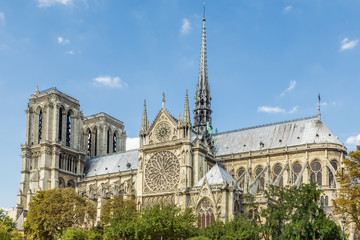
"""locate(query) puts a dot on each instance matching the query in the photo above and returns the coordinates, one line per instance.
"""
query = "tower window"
(95, 150)
(40, 125)
(89, 144)
(60, 124)
(114, 142)
(68, 129)
(108, 142)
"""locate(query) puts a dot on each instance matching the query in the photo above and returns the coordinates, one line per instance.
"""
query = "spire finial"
(204, 19)
(319, 113)
(163, 101)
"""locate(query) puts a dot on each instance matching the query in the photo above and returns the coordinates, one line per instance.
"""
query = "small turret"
(186, 116)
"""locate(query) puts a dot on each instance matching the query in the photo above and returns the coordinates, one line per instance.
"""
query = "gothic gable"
(163, 129)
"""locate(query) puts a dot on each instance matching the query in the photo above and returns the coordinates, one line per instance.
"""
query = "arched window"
(60, 161)
(322, 202)
(89, 144)
(108, 142)
(326, 201)
(331, 175)
(296, 171)
(241, 177)
(68, 129)
(71, 184)
(114, 142)
(205, 213)
(61, 183)
(95, 150)
(262, 179)
(316, 173)
(60, 124)
(40, 125)
(276, 172)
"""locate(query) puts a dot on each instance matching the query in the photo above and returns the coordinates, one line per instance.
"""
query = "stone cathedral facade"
(178, 160)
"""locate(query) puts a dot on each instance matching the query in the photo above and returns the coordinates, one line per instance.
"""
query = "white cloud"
(49, 3)
(291, 87)
(132, 143)
(71, 52)
(2, 17)
(293, 110)
(346, 44)
(270, 109)
(287, 9)
(353, 140)
(108, 81)
(63, 41)
(186, 26)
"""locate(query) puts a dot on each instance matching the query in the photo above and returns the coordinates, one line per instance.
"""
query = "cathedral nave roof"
(119, 162)
(276, 135)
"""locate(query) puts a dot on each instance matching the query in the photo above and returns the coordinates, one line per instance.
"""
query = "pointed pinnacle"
(144, 121)
(163, 101)
(186, 116)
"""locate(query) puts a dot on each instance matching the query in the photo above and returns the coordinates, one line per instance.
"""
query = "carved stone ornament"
(162, 172)
(162, 131)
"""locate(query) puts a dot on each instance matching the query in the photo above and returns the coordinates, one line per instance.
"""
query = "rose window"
(162, 131)
(162, 172)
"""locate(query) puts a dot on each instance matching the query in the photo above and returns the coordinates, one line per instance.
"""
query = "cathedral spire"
(144, 121)
(202, 111)
(186, 116)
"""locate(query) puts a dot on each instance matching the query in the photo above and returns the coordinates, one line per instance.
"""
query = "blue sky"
(267, 62)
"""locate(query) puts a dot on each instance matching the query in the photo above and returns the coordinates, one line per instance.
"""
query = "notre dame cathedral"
(178, 160)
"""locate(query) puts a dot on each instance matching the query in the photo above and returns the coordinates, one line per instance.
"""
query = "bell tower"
(53, 154)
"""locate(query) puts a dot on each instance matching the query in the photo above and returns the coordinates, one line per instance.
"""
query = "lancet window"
(40, 125)
(68, 129)
(331, 175)
(241, 177)
(60, 124)
(316, 173)
(262, 179)
(205, 214)
(95, 150)
(296, 172)
(114, 142)
(108, 142)
(89, 144)
(276, 172)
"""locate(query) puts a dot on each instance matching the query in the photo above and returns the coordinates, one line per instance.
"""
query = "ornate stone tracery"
(162, 172)
(162, 131)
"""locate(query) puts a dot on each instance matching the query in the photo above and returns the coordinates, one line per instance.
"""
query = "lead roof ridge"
(267, 125)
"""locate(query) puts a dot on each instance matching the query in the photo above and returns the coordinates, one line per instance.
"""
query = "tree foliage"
(294, 213)
(7, 229)
(53, 211)
(239, 228)
(347, 203)
(160, 221)
(115, 207)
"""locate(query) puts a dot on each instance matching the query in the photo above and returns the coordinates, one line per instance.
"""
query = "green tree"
(114, 207)
(238, 228)
(347, 203)
(294, 213)
(166, 222)
(53, 211)
(123, 219)
(7, 229)
(82, 234)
